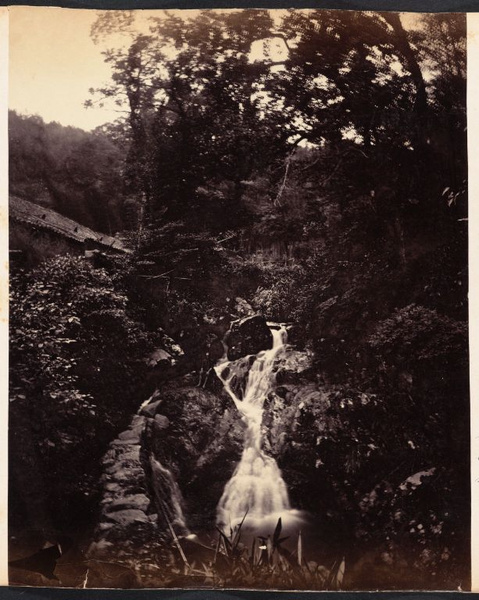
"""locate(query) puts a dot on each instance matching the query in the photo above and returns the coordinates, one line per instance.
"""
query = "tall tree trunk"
(404, 47)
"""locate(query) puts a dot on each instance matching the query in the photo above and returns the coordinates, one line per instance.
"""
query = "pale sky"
(53, 63)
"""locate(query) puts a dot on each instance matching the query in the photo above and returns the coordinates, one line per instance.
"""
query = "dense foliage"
(77, 356)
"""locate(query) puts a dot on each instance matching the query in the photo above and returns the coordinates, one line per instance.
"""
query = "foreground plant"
(264, 563)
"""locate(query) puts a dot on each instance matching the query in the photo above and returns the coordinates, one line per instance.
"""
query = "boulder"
(131, 436)
(127, 517)
(128, 475)
(113, 488)
(150, 409)
(161, 422)
(243, 308)
(137, 422)
(130, 501)
(295, 366)
(159, 358)
(100, 548)
(248, 336)
(130, 454)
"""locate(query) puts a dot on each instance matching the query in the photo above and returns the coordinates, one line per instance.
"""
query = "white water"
(257, 487)
(168, 497)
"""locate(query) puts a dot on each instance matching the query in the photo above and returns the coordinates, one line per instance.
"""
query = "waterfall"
(256, 487)
(168, 497)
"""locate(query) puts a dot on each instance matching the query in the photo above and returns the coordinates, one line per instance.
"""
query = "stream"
(256, 493)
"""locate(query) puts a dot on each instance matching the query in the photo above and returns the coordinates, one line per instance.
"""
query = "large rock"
(160, 423)
(243, 308)
(295, 366)
(159, 358)
(201, 447)
(127, 502)
(248, 336)
(127, 517)
(150, 409)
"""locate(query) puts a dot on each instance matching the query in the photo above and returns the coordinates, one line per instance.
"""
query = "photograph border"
(470, 6)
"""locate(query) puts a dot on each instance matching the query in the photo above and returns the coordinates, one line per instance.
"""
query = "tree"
(74, 172)
(442, 50)
(195, 104)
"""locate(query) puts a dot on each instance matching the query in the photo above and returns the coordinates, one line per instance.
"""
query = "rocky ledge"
(173, 429)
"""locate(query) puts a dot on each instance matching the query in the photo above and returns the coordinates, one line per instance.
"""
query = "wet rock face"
(304, 431)
(194, 434)
(248, 336)
(295, 366)
(201, 446)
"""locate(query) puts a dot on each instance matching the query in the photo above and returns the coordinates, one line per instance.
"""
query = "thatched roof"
(41, 217)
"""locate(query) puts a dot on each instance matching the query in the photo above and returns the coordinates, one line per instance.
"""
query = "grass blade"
(277, 532)
(236, 538)
(340, 573)
(300, 549)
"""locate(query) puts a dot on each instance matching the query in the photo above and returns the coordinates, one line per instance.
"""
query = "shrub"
(76, 360)
(431, 335)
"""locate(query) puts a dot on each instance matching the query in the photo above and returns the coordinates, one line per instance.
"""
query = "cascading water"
(257, 487)
(168, 497)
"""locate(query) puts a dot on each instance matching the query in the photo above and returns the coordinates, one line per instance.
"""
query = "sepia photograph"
(238, 328)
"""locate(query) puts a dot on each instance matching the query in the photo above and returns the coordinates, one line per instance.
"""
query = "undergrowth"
(263, 562)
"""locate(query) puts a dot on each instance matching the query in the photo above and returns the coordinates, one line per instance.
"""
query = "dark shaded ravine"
(267, 436)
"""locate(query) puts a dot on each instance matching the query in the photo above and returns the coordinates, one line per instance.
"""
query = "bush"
(76, 360)
(278, 296)
(432, 336)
